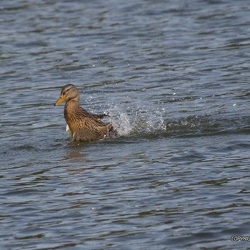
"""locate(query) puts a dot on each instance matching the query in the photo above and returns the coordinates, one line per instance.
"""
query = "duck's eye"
(65, 91)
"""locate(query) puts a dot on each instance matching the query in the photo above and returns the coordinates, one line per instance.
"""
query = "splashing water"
(130, 120)
(141, 120)
(136, 121)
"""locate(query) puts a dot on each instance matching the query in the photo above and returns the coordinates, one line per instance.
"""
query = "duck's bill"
(60, 100)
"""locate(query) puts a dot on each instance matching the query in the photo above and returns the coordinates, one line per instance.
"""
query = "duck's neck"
(71, 108)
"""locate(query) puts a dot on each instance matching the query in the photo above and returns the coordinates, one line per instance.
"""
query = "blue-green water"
(174, 76)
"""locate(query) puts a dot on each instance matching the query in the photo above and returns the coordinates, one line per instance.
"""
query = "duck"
(82, 125)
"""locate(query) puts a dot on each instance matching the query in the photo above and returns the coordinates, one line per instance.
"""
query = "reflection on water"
(76, 150)
(175, 79)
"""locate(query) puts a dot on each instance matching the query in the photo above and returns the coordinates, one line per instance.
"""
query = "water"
(174, 76)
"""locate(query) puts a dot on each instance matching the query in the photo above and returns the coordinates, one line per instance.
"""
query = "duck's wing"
(99, 116)
(91, 119)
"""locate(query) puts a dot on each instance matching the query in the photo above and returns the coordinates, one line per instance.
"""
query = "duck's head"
(68, 92)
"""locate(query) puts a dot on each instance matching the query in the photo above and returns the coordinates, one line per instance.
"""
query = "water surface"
(174, 76)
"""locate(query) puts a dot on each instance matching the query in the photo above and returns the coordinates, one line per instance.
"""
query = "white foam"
(121, 121)
(136, 121)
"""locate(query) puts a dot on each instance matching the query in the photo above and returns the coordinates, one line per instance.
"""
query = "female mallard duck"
(83, 125)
